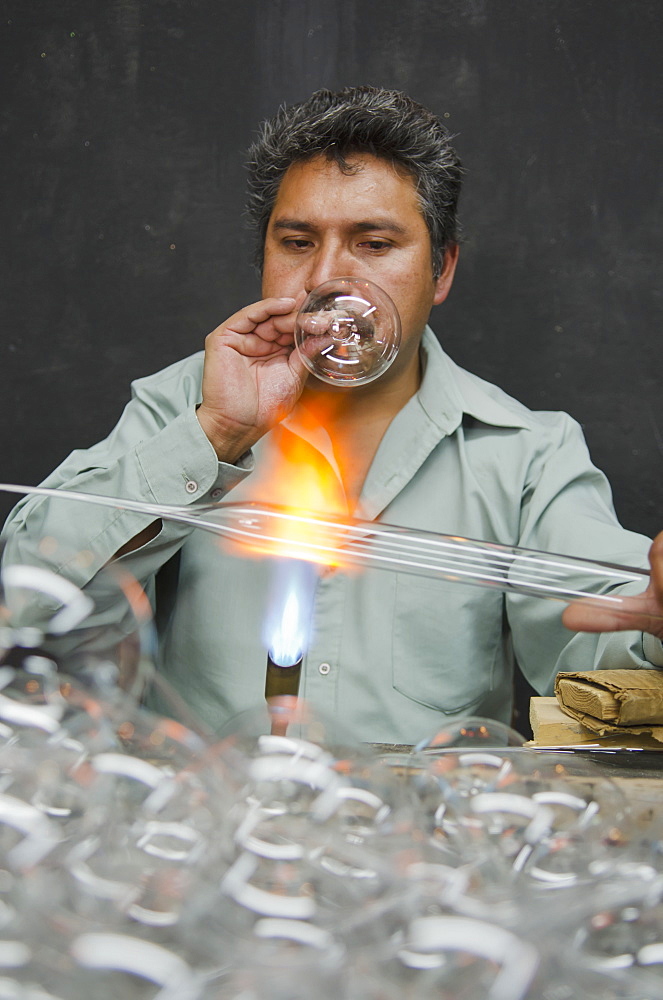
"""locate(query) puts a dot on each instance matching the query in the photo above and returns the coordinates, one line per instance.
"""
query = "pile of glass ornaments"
(142, 859)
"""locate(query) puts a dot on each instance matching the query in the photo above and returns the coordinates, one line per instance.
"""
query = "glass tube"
(284, 532)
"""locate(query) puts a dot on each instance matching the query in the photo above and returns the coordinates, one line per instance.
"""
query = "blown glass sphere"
(348, 331)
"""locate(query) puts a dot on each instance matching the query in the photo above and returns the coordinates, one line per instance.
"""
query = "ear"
(444, 282)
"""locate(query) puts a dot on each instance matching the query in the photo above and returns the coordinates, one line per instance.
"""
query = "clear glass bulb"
(348, 331)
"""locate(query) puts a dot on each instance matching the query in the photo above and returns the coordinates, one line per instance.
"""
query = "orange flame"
(299, 479)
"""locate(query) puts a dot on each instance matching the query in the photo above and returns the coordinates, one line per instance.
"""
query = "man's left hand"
(643, 612)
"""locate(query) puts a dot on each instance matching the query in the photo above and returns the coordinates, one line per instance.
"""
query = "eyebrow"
(365, 226)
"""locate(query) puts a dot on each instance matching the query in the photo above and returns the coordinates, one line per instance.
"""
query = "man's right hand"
(252, 376)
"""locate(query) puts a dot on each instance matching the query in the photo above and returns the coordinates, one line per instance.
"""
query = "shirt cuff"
(653, 649)
(180, 465)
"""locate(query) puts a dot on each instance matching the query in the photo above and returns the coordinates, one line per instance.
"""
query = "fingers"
(585, 616)
(285, 325)
(262, 329)
(642, 612)
(636, 614)
(656, 563)
(655, 589)
(266, 317)
(252, 345)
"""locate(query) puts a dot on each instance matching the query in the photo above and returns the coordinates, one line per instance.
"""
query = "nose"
(329, 261)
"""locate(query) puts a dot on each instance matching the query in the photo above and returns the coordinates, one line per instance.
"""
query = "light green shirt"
(393, 655)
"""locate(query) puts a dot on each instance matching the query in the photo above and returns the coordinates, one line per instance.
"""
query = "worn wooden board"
(552, 727)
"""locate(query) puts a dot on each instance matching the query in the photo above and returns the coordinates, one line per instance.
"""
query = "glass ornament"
(472, 733)
(347, 332)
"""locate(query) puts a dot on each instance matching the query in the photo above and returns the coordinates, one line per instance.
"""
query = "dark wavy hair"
(385, 123)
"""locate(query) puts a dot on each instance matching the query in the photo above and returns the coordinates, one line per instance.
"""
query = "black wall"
(123, 126)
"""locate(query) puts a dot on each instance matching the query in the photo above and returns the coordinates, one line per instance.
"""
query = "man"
(361, 183)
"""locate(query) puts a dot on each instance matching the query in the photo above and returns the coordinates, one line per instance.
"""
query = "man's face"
(368, 224)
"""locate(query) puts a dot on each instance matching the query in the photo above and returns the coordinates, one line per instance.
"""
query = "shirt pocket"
(446, 639)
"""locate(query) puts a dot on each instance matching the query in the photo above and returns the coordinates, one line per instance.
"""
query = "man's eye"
(376, 245)
(297, 244)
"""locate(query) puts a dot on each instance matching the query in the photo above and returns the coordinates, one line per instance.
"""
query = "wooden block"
(621, 697)
(589, 699)
(551, 726)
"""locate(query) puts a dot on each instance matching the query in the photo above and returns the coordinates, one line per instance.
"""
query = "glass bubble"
(449, 957)
(474, 733)
(457, 762)
(347, 331)
(621, 925)
(283, 761)
(593, 833)
(561, 977)
(288, 725)
(285, 960)
(112, 965)
(66, 619)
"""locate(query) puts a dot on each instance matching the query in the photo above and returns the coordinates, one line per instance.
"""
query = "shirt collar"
(448, 392)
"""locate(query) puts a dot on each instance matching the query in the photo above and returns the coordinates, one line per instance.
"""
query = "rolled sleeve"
(180, 466)
(157, 453)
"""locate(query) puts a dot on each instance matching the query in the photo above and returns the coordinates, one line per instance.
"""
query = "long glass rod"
(281, 531)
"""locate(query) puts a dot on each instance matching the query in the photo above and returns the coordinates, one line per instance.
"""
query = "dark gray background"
(123, 242)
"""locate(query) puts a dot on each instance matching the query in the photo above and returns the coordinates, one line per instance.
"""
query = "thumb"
(656, 563)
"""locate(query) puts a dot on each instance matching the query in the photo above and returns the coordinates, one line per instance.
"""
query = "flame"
(302, 480)
(298, 478)
(289, 616)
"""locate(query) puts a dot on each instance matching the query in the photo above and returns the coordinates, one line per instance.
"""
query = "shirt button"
(191, 486)
(216, 494)
(324, 669)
